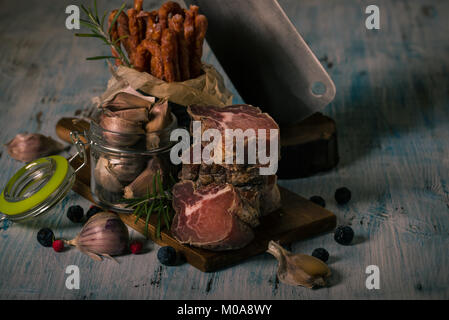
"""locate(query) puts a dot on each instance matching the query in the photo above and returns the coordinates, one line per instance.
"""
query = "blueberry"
(92, 211)
(45, 237)
(75, 213)
(344, 235)
(321, 254)
(318, 200)
(342, 195)
(167, 256)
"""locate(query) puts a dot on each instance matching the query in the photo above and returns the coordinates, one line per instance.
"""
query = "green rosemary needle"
(158, 202)
(96, 26)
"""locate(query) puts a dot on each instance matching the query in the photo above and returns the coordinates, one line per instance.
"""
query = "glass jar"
(128, 166)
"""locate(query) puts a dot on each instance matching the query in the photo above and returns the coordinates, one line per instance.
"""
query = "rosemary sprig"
(96, 26)
(158, 202)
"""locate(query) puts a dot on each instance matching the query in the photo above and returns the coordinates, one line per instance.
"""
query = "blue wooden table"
(392, 113)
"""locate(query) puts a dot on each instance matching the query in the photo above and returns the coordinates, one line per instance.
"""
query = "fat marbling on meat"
(207, 217)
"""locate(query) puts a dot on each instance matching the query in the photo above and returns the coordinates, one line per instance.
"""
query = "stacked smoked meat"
(167, 43)
(218, 205)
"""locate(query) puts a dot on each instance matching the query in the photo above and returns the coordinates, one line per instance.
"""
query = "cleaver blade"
(266, 58)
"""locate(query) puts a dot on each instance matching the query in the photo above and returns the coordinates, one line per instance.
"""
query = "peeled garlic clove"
(126, 169)
(104, 234)
(144, 182)
(299, 269)
(27, 147)
(105, 178)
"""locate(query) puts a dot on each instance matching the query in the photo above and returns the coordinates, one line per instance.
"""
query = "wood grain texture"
(392, 114)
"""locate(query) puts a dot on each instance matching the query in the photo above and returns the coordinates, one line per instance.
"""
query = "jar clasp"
(80, 149)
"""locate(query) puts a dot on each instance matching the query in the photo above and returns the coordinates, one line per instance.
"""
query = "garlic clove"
(160, 117)
(126, 169)
(27, 147)
(119, 125)
(135, 115)
(127, 98)
(122, 133)
(299, 269)
(105, 178)
(143, 184)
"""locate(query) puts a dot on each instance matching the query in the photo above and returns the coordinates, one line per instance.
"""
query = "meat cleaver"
(266, 58)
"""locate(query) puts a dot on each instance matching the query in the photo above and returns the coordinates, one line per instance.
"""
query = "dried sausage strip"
(138, 5)
(114, 35)
(123, 31)
(134, 33)
(200, 30)
(154, 30)
(149, 48)
(189, 33)
(169, 55)
(167, 8)
(189, 25)
(113, 30)
(157, 67)
(141, 58)
(176, 23)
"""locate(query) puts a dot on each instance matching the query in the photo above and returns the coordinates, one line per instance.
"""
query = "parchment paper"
(207, 89)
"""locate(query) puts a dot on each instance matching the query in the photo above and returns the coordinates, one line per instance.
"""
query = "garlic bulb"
(105, 178)
(299, 269)
(144, 182)
(27, 147)
(104, 234)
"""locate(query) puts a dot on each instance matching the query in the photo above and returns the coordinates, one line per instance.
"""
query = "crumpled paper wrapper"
(125, 96)
(207, 89)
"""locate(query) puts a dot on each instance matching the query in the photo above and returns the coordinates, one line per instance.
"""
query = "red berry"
(58, 245)
(136, 247)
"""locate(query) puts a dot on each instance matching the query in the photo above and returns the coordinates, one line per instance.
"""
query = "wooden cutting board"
(297, 219)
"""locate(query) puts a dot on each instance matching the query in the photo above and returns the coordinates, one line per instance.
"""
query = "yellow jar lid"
(34, 184)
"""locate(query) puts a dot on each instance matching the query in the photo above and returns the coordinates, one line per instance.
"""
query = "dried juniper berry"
(342, 195)
(75, 214)
(344, 235)
(167, 256)
(45, 237)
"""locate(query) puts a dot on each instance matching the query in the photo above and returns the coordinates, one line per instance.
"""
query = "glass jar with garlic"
(129, 146)
(130, 153)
